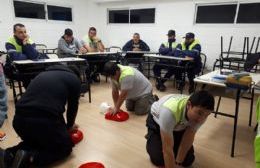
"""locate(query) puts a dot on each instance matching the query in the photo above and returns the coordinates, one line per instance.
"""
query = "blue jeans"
(3, 100)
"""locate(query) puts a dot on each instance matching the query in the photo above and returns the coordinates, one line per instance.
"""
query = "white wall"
(42, 31)
(177, 15)
(170, 14)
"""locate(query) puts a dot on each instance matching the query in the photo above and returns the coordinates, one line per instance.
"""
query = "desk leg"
(235, 122)
(219, 99)
(251, 106)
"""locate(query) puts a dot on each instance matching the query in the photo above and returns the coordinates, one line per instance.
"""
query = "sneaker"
(6, 159)
(21, 160)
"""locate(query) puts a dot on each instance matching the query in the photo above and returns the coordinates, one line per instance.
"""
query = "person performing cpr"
(131, 85)
(39, 119)
(172, 124)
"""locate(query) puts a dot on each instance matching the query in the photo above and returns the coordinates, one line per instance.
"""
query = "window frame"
(214, 4)
(129, 10)
(46, 12)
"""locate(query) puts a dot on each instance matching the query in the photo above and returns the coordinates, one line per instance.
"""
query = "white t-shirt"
(137, 85)
(165, 118)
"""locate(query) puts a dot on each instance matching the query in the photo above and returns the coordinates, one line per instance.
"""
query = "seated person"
(91, 42)
(21, 47)
(190, 48)
(168, 49)
(131, 85)
(68, 45)
(39, 119)
(172, 125)
(136, 44)
(94, 44)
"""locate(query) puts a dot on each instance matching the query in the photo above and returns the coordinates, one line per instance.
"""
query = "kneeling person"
(172, 125)
(39, 119)
(131, 85)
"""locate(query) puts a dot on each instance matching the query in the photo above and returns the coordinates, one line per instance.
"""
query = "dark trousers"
(45, 139)
(154, 144)
(157, 68)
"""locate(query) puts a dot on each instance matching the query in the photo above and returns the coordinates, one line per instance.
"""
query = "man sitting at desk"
(131, 85)
(168, 49)
(190, 48)
(39, 119)
(21, 47)
(136, 44)
(68, 45)
(91, 42)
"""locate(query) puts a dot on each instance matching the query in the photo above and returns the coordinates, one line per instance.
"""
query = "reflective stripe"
(195, 42)
(11, 50)
(18, 47)
(167, 45)
(176, 105)
(125, 71)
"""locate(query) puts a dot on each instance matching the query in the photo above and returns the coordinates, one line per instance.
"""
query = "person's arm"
(30, 51)
(186, 143)
(80, 47)
(115, 95)
(73, 102)
(128, 46)
(63, 47)
(178, 51)
(164, 50)
(14, 55)
(195, 52)
(145, 47)
(121, 98)
(167, 147)
(100, 46)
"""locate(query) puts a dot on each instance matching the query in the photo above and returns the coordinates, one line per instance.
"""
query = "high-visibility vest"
(125, 71)
(177, 106)
(192, 45)
(18, 47)
(167, 45)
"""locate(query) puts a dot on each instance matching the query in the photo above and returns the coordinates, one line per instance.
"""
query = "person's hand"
(188, 58)
(82, 50)
(96, 39)
(74, 127)
(26, 40)
(112, 110)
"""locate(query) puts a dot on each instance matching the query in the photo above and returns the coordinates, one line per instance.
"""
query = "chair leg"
(256, 127)
(219, 99)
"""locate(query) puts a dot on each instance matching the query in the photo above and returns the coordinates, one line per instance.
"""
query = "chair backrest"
(40, 47)
(52, 56)
(114, 49)
(203, 61)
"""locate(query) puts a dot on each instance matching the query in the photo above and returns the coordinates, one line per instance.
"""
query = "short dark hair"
(203, 99)
(137, 34)
(92, 29)
(110, 68)
(17, 25)
(68, 32)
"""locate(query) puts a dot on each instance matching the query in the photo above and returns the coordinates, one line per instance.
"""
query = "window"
(132, 16)
(249, 13)
(59, 13)
(216, 13)
(142, 15)
(118, 16)
(29, 10)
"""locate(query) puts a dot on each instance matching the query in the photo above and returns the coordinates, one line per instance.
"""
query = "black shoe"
(6, 159)
(96, 78)
(21, 160)
(158, 84)
(162, 88)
